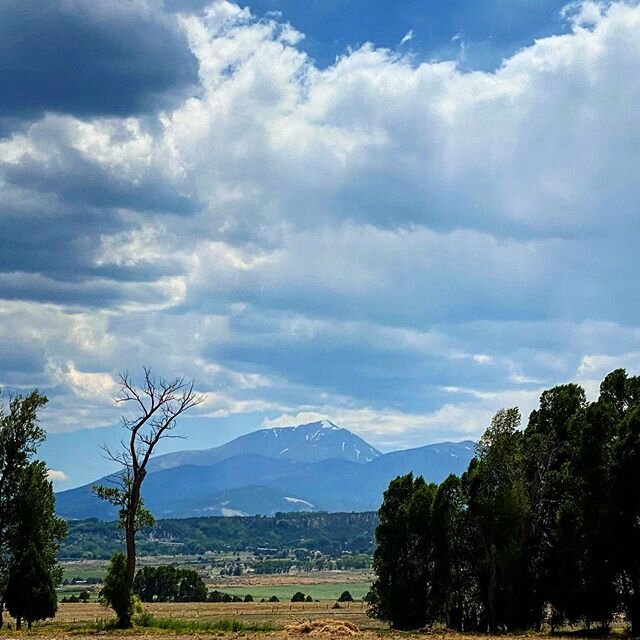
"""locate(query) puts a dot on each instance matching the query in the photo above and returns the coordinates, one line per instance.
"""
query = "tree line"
(169, 584)
(268, 536)
(543, 527)
(30, 532)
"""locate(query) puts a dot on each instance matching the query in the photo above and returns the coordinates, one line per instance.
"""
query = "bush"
(274, 599)
(308, 599)
(116, 592)
(345, 596)
(298, 596)
(249, 598)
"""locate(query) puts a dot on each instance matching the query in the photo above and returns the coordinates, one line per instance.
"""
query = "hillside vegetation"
(330, 533)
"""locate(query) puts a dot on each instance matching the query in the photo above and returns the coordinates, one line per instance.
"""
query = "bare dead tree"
(157, 403)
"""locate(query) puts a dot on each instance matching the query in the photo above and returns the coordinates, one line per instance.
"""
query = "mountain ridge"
(323, 467)
(326, 440)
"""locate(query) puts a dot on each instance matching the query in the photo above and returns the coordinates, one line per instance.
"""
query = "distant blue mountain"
(305, 443)
(313, 467)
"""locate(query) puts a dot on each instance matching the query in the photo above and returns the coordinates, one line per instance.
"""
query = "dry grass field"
(78, 617)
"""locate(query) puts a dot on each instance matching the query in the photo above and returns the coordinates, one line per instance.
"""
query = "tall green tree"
(547, 450)
(455, 591)
(402, 561)
(31, 589)
(622, 393)
(35, 572)
(20, 435)
(500, 511)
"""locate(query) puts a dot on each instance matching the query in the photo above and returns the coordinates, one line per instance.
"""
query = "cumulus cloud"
(396, 244)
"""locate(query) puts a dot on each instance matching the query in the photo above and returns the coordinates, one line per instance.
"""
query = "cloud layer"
(398, 244)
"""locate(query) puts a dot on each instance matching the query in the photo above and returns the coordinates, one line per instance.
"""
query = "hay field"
(279, 615)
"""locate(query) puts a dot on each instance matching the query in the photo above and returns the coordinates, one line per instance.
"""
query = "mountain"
(305, 443)
(312, 467)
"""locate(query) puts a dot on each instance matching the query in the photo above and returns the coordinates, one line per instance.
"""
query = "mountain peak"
(310, 442)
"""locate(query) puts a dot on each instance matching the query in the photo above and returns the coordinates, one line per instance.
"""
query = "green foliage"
(345, 596)
(30, 532)
(298, 596)
(168, 584)
(403, 557)
(542, 527)
(34, 572)
(120, 496)
(31, 592)
(116, 592)
(330, 533)
(20, 435)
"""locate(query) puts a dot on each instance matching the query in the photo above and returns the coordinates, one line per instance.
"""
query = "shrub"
(345, 596)
(116, 592)
(298, 596)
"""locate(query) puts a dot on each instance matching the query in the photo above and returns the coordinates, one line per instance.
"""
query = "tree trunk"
(130, 531)
(1, 615)
(634, 607)
(491, 593)
(18, 623)
(131, 555)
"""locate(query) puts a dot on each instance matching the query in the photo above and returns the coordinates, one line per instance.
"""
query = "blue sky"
(401, 216)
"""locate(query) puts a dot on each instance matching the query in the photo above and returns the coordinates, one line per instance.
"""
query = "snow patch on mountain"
(299, 501)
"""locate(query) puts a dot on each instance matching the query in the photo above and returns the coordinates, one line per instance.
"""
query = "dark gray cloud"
(76, 180)
(403, 248)
(89, 58)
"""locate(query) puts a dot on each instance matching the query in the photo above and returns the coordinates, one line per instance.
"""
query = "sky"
(400, 215)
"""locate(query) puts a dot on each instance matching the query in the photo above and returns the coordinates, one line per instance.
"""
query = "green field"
(327, 591)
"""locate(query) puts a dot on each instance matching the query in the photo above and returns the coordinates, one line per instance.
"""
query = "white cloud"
(407, 37)
(56, 475)
(401, 247)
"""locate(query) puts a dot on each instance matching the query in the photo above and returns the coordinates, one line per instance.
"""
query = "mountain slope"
(305, 443)
(251, 483)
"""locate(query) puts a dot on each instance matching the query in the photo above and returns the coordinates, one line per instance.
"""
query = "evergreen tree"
(31, 590)
(38, 531)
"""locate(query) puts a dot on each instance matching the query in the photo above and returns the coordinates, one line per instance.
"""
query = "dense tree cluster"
(169, 584)
(30, 532)
(267, 536)
(544, 526)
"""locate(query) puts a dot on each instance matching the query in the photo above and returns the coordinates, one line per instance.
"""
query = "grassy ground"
(253, 621)
(84, 618)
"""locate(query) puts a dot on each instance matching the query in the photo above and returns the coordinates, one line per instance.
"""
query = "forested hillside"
(330, 533)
